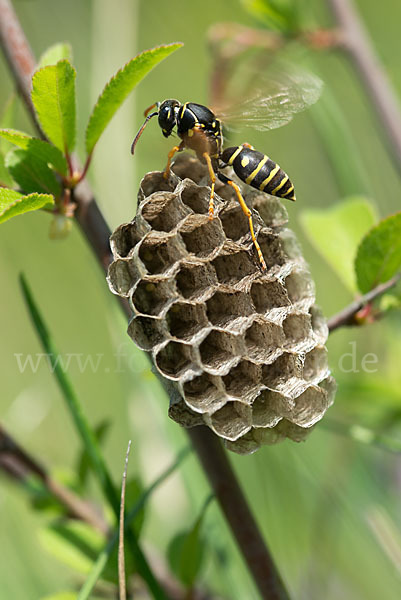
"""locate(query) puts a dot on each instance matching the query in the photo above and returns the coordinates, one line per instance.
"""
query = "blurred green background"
(330, 508)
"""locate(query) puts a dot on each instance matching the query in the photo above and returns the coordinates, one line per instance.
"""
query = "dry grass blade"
(121, 559)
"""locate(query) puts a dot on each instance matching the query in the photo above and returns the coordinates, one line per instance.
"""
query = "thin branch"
(19, 465)
(211, 454)
(18, 53)
(357, 44)
(346, 317)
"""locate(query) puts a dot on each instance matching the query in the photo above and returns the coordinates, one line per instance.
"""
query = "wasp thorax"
(243, 349)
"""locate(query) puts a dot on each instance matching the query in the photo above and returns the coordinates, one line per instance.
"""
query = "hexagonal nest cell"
(242, 349)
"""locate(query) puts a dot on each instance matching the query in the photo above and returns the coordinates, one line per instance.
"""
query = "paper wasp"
(200, 130)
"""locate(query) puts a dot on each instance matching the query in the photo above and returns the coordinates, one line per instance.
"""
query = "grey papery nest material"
(244, 350)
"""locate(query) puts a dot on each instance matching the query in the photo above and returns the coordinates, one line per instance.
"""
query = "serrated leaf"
(118, 88)
(379, 254)
(336, 232)
(44, 151)
(13, 203)
(74, 543)
(53, 54)
(53, 96)
(32, 174)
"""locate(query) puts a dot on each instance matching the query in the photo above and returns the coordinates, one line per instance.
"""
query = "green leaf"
(44, 151)
(379, 254)
(186, 551)
(5, 177)
(84, 462)
(279, 15)
(118, 88)
(74, 543)
(13, 203)
(133, 492)
(7, 120)
(31, 173)
(53, 96)
(53, 54)
(336, 232)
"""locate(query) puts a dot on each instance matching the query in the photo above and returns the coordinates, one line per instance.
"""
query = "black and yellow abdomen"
(259, 171)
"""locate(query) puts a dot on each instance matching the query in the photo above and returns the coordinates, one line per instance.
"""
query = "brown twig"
(346, 317)
(19, 465)
(356, 43)
(216, 465)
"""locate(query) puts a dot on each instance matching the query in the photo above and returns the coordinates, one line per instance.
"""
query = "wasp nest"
(244, 350)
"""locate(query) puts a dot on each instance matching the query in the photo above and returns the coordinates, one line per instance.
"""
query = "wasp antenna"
(147, 111)
(138, 135)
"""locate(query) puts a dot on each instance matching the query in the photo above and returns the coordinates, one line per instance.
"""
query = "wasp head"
(168, 116)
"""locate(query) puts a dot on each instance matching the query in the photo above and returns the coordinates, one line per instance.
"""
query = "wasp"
(201, 130)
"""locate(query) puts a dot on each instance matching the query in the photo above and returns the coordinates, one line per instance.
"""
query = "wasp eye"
(167, 118)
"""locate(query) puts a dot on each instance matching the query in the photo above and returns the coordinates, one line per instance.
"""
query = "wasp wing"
(273, 104)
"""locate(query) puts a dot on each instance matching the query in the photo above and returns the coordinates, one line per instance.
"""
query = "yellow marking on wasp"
(245, 161)
(234, 156)
(252, 176)
(273, 172)
(291, 189)
(190, 132)
(183, 109)
(280, 185)
(214, 124)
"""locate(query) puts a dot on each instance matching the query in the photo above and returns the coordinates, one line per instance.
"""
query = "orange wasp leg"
(248, 213)
(170, 156)
(212, 176)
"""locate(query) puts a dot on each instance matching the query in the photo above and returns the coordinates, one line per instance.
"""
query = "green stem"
(87, 436)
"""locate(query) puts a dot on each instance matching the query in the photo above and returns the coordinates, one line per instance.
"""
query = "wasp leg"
(179, 148)
(248, 213)
(212, 176)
